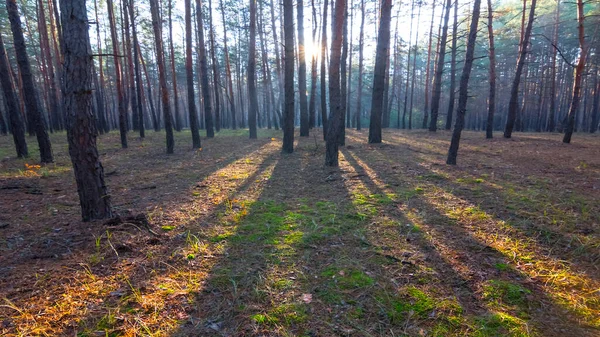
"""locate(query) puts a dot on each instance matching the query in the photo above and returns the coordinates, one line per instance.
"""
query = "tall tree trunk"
(17, 126)
(55, 108)
(552, 117)
(208, 120)
(173, 71)
(577, 82)
(155, 119)
(288, 115)
(452, 69)
(336, 121)
(513, 104)
(343, 81)
(439, 70)
(412, 12)
(135, 112)
(104, 125)
(323, 60)
(137, 93)
(383, 45)
(414, 70)
(81, 127)
(189, 70)
(32, 104)
(312, 105)
(595, 107)
(361, 40)
(118, 79)
(215, 66)
(464, 86)
(277, 67)
(427, 70)
(228, 70)
(304, 127)
(162, 74)
(253, 98)
(492, 55)
(349, 91)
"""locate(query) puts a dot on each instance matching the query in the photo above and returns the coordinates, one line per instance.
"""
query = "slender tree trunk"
(464, 85)
(155, 119)
(54, 93)
(228, 70)
(452, 69)
(118, 79)
(361, 40)
(313, 73)
(412, 12)
(17, 126)
(253, 98)
(414, 70)
(288, 116)
(552, 117)
(304, 120)
(208, 120)
(383, 45)
(579, 73)
(336, 121)
(513, 104)
(323, 60)
(135, 112)
(439, 70)
(278, 68)
(174, 72)
(137, 90)
(427, 70)
(349, 91)
(215, 66)
(343, 80)
(492, 55)
(77, 98)
(595, 107)
(100, 96)
(189, 70)
(162, 75)
(30, 96)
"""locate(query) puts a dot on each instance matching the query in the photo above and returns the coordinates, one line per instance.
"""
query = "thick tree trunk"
(489, 128)
(189, 70)
(162, 75)
(323, 61)
(361, 38)
(577, 83)
(288, 115)
(208, 120)
(118, 79)
(32, 105)
(17, 125)
(463, 93)
(513, 104)
(77, 99)
(439, 70)
(336, 121)
(452, 69)
(304, 127)
(383, 45)
(251, 77)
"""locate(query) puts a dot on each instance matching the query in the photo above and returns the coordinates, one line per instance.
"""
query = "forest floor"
(241, 240)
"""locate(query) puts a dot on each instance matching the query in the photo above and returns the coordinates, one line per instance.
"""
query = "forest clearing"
(239, 239)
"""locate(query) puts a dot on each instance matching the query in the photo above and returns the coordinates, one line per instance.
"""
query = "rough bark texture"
(489, 128)
(251, 77)
(513, 104)
(577, 83)
(32, 105)
(162, 75)
(288, 114)
(189, 71)
(77, 101)
(439, 70)
(208, 121)
(118, 80)
(463, 93)
(17, 125)
(336, 120)
(383, 45)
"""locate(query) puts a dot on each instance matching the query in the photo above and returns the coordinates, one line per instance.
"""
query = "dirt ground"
(237, 239)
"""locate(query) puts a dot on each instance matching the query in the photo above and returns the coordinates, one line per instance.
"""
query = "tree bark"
(336, 121)
(577, 82)
(215, 66)
(489, 128)
(81, 126)
(251, 77)
(383, 45)
(32, 105)
(54, 92)
(464, 85)
(118, 79)
(552, 117)
(228, 70)
(288, 116)
(427, 71)
(208, 120)
(304, 127)
(137, 92)
(439, 70)
(323, 82)
(17, 125)
(361, 39)
(452, 69)
(513, 104)
(174, 72)
(162, 75)
(189, 70)
(343, 81)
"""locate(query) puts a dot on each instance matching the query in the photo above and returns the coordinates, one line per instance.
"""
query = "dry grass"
(253, 242)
